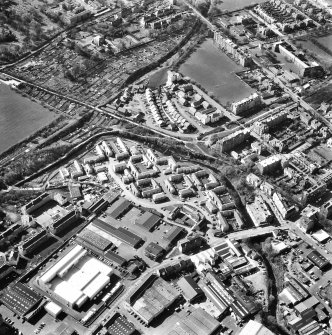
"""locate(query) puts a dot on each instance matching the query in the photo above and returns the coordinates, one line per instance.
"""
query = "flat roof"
(255, 328)
(189, 287)
(321, 235)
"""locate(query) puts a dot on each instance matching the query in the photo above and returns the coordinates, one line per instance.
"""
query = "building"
(259, 212)
(191, 244)
(148, 221)
(199, 322)
(284, 209)
(227, 45)
(304, 67)
(190, 289)
(122, 235)
(152, 298)
(222, 297)
(119, 325)
(318, 259)
(154, 251)
(75, 278)
(22, 300)
(253, 180)
(119, 208)
(36, 203)
(32, 242)
(239, 107)
(269, 164)
(255, 328)
(60, 224)
(233, 140)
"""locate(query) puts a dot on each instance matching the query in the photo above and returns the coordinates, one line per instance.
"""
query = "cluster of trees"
(6, 35)
(31, 163)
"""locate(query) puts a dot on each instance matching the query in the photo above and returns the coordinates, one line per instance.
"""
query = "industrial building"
(190, 289)
(199, 322)
(120, 207)
(32, 242)
(120, 235)
(318, 259)
(148, 221)
(119, 325)
(75, 278)
(22, 300)
(152, 298)
(36, 203)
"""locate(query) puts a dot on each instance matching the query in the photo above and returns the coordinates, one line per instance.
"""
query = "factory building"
(75, 278)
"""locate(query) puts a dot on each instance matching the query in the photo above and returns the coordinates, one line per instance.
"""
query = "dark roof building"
(121, 234)
(190, 289)
(318, 259)
(154, 251)
(33, 242)
(119, 325)
(119, 208)
(21, 299)
(115, 258)
(174, 234)
(148, 221)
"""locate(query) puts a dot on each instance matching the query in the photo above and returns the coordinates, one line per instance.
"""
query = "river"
(19, 117)
(215, 71)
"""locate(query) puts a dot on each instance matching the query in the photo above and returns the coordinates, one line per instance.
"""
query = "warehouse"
(174, 234)
(148, 221)
(318, 259)
(120, 234)
(112, 257)
(190, 289)
(75, 278)
(119, 208)
(119, 325)
(22, 300)
(198, 322)
(93, 240)
(153, 300)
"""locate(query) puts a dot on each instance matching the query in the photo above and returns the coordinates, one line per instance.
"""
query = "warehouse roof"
(255, 328)
(198, 322)
(318, 259)
(119, 233)
(119, 207)
(120, 326)
(115, 258)
(20, 299)
(148, 220)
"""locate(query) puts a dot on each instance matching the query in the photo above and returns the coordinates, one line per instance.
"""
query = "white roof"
(255, 328)
(96, 286)
(53, 308)
(58, 266)
(67, 292)
(320, 235)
